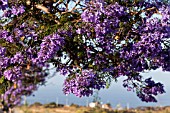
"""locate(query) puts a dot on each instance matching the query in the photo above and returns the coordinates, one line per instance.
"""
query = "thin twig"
(78, 2)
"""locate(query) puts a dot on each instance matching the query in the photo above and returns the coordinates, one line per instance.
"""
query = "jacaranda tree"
(90, 42)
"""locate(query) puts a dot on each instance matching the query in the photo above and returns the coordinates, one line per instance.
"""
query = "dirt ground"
(41, 109)
(52, 108)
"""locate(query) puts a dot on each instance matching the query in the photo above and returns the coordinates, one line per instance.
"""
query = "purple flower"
(2, 51)
(16, 10)
(83, 84)
(48, 48)
(18, 58)
(3, 4)
(13, 74)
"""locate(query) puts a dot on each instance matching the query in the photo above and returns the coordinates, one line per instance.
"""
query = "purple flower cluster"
(83, 84)
(9, 72)
(150, 90)
(26, 31)
(165, 13)
(3, 4)
(23, 86)
(15, 10)
(48, 48)
(4, 34)
(13, 95)
(18, 58)
(145, 46)
(2, 51)
(13, 74)
(150, 49)
(108, 41)
(14, 64)
(152, 87)
(146, 89)
(104, 20)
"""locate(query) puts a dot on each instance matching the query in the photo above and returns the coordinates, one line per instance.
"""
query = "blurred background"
(116, 94)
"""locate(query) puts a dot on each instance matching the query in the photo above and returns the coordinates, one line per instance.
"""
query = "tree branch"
(43, 8)
(78, 1)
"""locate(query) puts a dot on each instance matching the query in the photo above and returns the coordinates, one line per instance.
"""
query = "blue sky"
(116, 94)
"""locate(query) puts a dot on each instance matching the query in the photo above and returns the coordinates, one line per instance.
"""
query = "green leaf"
(2, 79)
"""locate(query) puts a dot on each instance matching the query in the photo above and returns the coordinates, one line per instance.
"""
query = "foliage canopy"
(91, 42)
